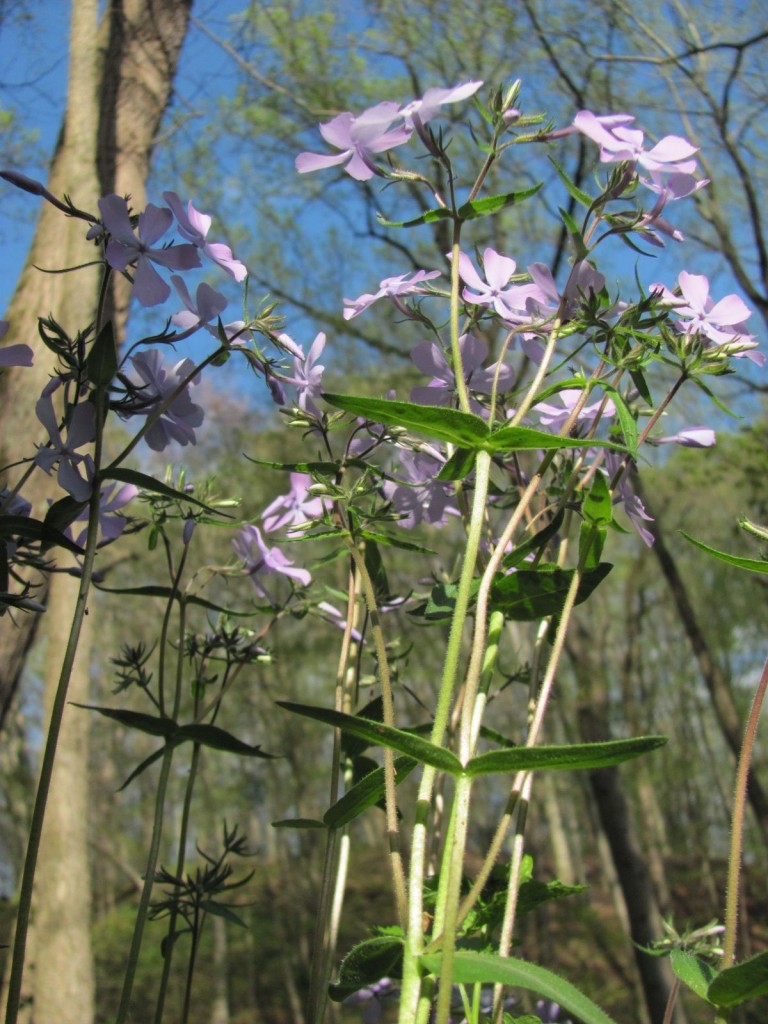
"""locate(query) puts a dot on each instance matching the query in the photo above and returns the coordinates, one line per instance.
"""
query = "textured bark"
(616, 822)
(120, 78)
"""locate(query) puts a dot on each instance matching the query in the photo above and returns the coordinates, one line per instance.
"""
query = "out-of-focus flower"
(14, 355)
(194, 226)
(633, 506)
(405, 284)
(111, 525)
(179, 419)
(295, 508)
(618, 143)
(124, 248)
(441, 389)
(419, 112)
(308, 377)
(553, 417)
(690, 437)
(360, 140)
(261, 561)
(420, 497)
(81, 430)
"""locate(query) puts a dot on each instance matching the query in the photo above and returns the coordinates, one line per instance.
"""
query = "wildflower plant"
(536, 402)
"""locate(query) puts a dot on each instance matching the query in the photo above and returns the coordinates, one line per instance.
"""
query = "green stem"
(737, 825)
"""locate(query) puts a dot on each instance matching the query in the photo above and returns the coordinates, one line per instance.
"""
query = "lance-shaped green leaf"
(34, 530)
(578, 194)
(492, 204)
(627, 421)
(460, 428)
(101, 361)
(365, 793)
(166, 593)
(469, 968)
(735, 985)
(217, 739)
(696, 973)
(63, 513)
(152, 724)
(597, 507)
(530, 594)
(562, 758)
(367, 963)
(518, 439)
(752, 564)
(324, 468)
(299, 823)
(521, 552)
(148, 483)
(428, 217)
(381, 735)
(459, 466)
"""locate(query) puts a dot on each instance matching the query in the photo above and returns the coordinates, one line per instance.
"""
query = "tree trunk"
(616, 822)
(120, 78)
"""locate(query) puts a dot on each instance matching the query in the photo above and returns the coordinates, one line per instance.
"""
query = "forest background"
(673, 644)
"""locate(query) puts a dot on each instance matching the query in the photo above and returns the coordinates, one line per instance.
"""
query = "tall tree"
(121, 71)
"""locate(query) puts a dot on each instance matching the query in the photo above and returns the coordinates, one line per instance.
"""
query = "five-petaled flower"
(80, 430)
(360, 140)
(620, 143)
(405, 284)
(194, 226)
(180, 415)
(125, 249)
(308, 379)
(295, 508)
(260, 561)
(514, 303)
(441, 389)
(13, 355)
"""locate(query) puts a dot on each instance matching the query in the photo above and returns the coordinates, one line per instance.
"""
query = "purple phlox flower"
(14, 355)
(553, 417)
(125, 248)
(633, 506)
(619, 143)
(370, 998)
(723, 322)
(81, 429)
(179, 419)
(668, 188)
(418, 112)
(549, 1012)
(334, 616)
(308, 379)
(287, 344)
(194, 226)
(295, 508)
(360, 139)
(510, 302)
(261, 561)
(405, 284)
(111, 524)
(584, 281)
(689, 437)
(420, 497)
(208, 305)
(441, 389)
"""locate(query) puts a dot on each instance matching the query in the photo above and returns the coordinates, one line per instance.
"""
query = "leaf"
(696, 973)
(597, 507)
(148, 483)
(34, 530)
(217, 739)
(520, 553)
(381, 735)
(735, 985)
(220, 910)
(367, 963)
(156, 590)
(469, 967)
(459, 466)
(516, 439)
(562, 757)
(325, 468)
(752, 564)
(352, 746)
(298, 823)
(142, 767)
(428, 217)
(533, 893)
(365, 793)
(152, 724)
(492, 204)
(101, 361)
(530, 594)
(627, 421)
(463, 429)
(573, 189)
(63, 513)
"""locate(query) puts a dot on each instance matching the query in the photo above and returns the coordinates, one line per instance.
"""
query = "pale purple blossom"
(419, 112)
(723, 322)
(124, 248)
(207, 306)
(441, 390)
(260, 561)
(554, 417)
(14, 355)
(111, 524)
(80, 430)
(295, 508)
(156, 384)
(334, 616)
(308, 377)
(633, 506)
(619, 143)
(360, 140)
(689, 437)
(405, 284)
(514, 303)
(194, 226)
(417, 495)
